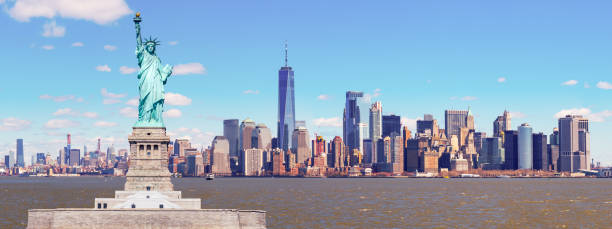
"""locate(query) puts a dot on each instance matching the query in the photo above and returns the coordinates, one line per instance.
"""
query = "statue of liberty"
(152, 77)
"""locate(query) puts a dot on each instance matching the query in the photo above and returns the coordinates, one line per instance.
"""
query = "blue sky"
(539, 59)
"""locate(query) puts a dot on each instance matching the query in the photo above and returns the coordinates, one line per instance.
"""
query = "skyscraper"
(574, 152)
(492, 156)
(352, 120)
(75, 157)
(286, 105)
(391, 124)
(428, 126)
(501, 124)
(246, 134)
(231, 131)
(454, 120)
(20, 159)
(7, 161)
(511, 149)
(301, 144)
(375, 130)
(525, 147)
(540, 152)
(220, 164)
(336, 153)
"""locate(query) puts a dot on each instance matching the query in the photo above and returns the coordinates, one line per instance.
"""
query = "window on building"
(155, 147)
(148, 188)
(99, 205)
(161, 206)
(133, 205)
(105, 205)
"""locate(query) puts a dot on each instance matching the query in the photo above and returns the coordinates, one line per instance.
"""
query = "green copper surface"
(152, 77)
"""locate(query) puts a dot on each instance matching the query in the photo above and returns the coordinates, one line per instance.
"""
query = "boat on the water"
(210, 176)
(503, 176)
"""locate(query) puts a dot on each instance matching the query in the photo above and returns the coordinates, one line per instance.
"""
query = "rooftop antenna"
(285, 53)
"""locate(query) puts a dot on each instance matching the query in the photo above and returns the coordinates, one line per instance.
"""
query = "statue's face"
(151, 48)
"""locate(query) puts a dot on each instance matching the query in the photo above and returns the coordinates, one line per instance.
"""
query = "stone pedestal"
(148, 199)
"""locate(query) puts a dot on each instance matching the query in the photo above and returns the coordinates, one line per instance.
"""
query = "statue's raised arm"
(137, 21)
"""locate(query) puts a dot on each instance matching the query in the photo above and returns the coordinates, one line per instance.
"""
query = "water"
(350, 202)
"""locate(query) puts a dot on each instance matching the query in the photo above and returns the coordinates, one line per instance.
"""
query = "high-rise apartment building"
(525, 146)
(391, 124)
(574, 149)
(352, 119)
(336, 153)
(231, 131)
(20, 159)
(286, 105)
(252, 162)
(501, 124)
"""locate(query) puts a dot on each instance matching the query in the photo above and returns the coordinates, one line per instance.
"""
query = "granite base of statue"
(148, 199)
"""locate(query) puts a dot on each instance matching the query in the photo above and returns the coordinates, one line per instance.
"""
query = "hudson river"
(351, 202)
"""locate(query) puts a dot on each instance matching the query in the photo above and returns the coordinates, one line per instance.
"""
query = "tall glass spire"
(286, 105)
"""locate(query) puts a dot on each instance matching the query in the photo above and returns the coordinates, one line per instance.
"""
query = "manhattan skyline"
(537, 60)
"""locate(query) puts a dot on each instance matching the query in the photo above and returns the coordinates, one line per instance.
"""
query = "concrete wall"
(145, 218)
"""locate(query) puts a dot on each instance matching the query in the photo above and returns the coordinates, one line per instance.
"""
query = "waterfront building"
(194, 165)
(262, 139)
(180, 145)
(554, 137)
(525, 146)
(351, 120)
(7, 161)
(501, 124)
(384, 150)
(459, 164)
(397, 154)
(391, 124)
(301, 145)
(252, 162)
(278, 161)
(286, 106)
(375, 130)
(219, 156)
(367, 151)
(428, 126)
(553, 157)
(363, 134)
(478, 141)
(574, 149)
(511, 149)
(20, 159)
(429, 161)
(411, 155)
(454, 120)
(231, 131)
(492, 153)
(12, 159)
(540, 152)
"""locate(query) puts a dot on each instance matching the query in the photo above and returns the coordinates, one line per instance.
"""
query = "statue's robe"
(151, 80)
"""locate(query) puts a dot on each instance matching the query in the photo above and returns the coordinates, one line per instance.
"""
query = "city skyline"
(536, 83)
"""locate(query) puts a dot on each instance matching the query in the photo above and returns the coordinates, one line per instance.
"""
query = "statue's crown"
(153, 41)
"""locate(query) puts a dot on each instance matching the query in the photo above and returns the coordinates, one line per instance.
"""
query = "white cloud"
(103, 68)
(14, 124)
(108, 94)
(517, 114)
(104, 124)
(197, 137)
(60, 123)
(100, 12)
(110, 47)
(570, 83)
(410, 123)
(129, 112)
(173, 42)
(501, 79)
(367, 97)
(132, 102)
(587, 85)
(468, 98)
(323, 97)
(252, 92)
(328, 122)
(127, 70)
(177, 99)
(173, 113)
(190, 68)
(78, 44)
(110, 101)
(586, 112)
(62, 98)
(65, 111)
(90, 114)
(604, 85)
(51, 29)
(48, 47)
